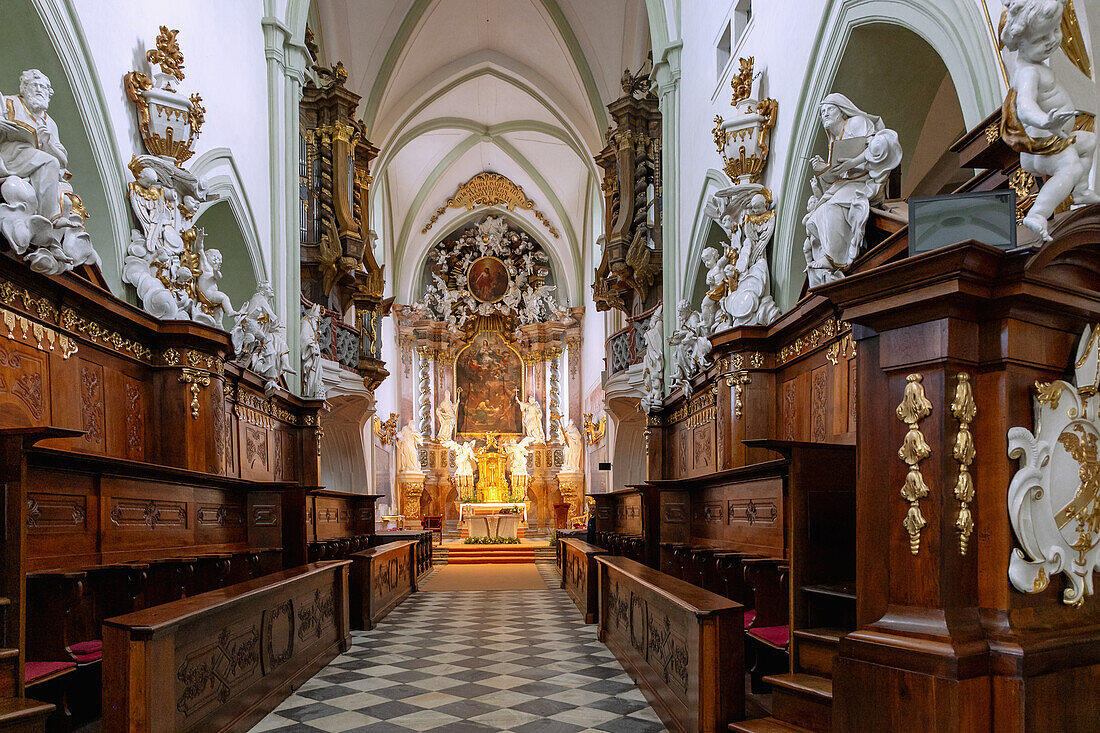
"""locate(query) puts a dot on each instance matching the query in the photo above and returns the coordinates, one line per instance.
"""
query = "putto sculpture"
(312, 386)
(40, 215)
(259, 339)
(690, 346)
(862, 152)
(1038, 118)
(739, 281)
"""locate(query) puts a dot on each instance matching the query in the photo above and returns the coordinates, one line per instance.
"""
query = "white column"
(667, 73)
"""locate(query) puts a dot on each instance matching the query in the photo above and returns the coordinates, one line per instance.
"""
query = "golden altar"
(491, 485)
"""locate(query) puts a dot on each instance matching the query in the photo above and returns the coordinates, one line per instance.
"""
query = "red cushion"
(777, 636)
(87, 658)
(749, 616)
(86, 647)
(37, 670)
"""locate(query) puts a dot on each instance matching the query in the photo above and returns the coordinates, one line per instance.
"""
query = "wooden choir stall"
(865, 478)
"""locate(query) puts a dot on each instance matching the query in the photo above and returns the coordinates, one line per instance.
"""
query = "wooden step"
(19, 715)
(816, 649)
(766, 725)
(802, 699)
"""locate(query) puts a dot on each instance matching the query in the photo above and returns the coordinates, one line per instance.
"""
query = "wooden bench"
(424, 546)
(222, 660)
(381, 578)
(683, 645)
(579, 576)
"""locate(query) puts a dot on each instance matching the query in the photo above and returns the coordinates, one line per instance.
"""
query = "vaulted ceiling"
(452, 88)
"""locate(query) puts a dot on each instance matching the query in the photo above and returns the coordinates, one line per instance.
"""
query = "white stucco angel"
(517, 452)
(748, 301)
(40, 214)
(259, 338)
(714, 319)
(653, 363)
(532, 418)
(408, 441)
(447, 414)
(1038, 118)
(690, 347)
(862, 154)
(312, 386)
(465, 458)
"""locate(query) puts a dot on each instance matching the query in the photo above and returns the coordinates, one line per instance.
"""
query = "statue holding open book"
(862, 152)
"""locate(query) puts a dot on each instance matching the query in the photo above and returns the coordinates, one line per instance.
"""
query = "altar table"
(493, 525)
(467, 510)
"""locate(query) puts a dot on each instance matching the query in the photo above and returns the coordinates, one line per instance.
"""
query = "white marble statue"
(532, 418)
(517, 452)
(862, 154)
(175, 276)
(40, 215)
(465, 458)
(408, 442)
(716, 263)
(259, 339)
(653, 363)
(447, 413)
(690, 347)
(573, 455)
(1038, 116)
(312, 386)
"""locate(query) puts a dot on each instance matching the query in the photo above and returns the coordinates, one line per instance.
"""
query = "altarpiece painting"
(489, 373)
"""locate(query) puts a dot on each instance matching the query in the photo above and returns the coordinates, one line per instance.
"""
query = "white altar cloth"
(493, 525)
(465, 511)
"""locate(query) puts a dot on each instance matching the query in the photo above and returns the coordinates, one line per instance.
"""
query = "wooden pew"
(423, 547)
(380, 579)
(681, 644)
(629, 514)
(265, 637)
(579, 576)
(561, 534)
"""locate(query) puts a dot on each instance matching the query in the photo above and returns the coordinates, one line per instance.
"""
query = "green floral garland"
(492, 540)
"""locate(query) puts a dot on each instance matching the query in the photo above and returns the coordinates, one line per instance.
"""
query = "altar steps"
(490, 554)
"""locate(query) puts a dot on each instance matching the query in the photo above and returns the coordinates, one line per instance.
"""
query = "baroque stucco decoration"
(653, 363)
(40, 215)
(1038, 119)
(176, 277)
(1054, 498)
(490, 189)
(312, 385)
(259, 339)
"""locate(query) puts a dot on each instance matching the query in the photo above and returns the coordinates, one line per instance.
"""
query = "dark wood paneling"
(580, 576)
(381, 578)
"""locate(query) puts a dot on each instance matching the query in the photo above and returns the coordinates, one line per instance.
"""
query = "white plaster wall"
(223, 48)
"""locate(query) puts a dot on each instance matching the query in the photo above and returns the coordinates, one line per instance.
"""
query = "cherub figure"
(1038, 116)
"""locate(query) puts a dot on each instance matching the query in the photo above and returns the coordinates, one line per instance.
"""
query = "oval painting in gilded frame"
(487, 278)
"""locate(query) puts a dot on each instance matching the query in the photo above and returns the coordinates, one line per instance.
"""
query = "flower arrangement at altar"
(492, 540)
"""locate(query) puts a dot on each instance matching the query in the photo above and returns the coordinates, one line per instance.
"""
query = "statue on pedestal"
(532, 418)
(447, 412)
(465, 462)
(40, 215)
(312, 386)
(741, 292)
(408, 441)
(862, 152)
(1038, 119)
(573, 455)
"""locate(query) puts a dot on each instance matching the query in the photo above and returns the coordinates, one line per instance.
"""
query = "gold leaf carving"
(914, 407)
(964, 409)
(490, 189)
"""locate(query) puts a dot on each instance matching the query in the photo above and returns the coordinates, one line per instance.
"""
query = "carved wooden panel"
(683, 436)
(702, 452)
(285, 465)
(788, 411)
(675, 516)
(91, 407)
(217, 411)
(52, 513)
(143, 514)
(753, 511)
(24, 385)
(256, 452)
(133, 404)
(819, 404)
(708, 512)
(744, 516)
(265, 515)
(852, 394)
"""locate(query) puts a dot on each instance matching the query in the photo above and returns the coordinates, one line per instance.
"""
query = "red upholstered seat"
(86, 652)
(749, 616)
(37, 670)
(777, 636)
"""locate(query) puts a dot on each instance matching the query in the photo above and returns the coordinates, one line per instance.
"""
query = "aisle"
(456, 661)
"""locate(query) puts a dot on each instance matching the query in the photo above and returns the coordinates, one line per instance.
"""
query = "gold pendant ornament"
(914, 407)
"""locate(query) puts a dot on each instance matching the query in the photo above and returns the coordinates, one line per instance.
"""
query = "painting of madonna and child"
(489, 373)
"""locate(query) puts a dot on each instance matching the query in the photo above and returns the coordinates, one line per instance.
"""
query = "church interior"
(549, 366)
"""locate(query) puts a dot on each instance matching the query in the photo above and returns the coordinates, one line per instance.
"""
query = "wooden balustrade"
(680, 643)
(579, 576)
(380, 579)
(222, 660)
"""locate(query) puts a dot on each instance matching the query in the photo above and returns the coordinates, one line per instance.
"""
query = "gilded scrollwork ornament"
(914, 407)
(1054, 497)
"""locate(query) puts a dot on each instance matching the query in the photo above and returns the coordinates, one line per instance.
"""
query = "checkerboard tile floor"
(457, 661)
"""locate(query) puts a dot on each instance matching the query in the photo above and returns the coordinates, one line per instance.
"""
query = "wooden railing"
(680, 643)
(222, 660)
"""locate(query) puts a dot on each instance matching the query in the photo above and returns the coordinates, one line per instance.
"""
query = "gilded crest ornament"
(1054, 498)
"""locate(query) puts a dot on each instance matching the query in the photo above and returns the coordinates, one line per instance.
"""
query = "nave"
(472, 660)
